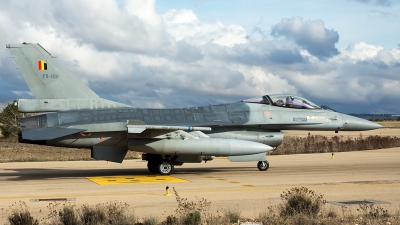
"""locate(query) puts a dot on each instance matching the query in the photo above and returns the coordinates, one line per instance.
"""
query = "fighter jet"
(72, 115)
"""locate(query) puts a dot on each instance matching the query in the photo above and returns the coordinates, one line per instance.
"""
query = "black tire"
(165, 168)
(152, 166)
(263, 165)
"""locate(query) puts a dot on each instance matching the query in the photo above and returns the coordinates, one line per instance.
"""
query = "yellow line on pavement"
(137, 179)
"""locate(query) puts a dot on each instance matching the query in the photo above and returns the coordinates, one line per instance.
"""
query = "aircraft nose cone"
(356, 124)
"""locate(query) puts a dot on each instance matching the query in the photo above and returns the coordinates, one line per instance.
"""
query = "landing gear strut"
(263, 165)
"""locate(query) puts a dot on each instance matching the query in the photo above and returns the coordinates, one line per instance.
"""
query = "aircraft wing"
(139, 131)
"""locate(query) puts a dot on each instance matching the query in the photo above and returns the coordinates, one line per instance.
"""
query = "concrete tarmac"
(373, 175)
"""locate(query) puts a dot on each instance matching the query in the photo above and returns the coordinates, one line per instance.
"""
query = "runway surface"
(238, 186)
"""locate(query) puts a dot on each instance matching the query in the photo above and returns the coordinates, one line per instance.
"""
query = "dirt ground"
(381, 132)
(390, 124)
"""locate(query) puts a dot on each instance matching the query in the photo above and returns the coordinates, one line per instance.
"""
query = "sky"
(184, 53)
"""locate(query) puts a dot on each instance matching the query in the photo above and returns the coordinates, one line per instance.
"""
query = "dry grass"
(390, 124)
(197, 213)
(323, 144)
(348, 217)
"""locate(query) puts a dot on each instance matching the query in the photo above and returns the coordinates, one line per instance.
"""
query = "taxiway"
(359, 175)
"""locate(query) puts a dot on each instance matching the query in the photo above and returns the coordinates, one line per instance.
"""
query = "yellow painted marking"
(221, 179)
(209, 177)
(234, 182)
(138, 179)
(248, 185)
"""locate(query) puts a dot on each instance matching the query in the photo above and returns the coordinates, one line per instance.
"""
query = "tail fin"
(46, 78)
(52, 83)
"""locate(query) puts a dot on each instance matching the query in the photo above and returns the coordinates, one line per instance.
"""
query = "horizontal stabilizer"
(48, 133)
(248, 158)
(109, 153)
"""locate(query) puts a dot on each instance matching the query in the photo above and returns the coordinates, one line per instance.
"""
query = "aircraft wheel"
(165, 168)
(263, 165)
(152, 166)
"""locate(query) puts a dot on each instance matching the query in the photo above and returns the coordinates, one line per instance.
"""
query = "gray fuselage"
(240, 120)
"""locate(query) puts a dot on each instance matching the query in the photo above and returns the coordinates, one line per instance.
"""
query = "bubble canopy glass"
(284, 100)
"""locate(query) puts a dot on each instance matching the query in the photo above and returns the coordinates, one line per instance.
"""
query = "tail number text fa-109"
(50, 76)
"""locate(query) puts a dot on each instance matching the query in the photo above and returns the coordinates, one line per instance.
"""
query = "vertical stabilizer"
(52, 85)
(46, 78)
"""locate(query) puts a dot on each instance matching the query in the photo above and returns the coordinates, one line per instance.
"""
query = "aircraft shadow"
(18, 174)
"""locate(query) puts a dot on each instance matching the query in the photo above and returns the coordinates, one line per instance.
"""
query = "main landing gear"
(163, 167)
(166, 166)
(263, 165)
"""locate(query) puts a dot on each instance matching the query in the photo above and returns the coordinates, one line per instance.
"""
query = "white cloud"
(257, 81)
(359, 51)
(184, 25)
(312, 35)
(131, 54)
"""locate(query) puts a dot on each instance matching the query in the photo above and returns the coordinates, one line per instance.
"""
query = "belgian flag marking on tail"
(42, 65)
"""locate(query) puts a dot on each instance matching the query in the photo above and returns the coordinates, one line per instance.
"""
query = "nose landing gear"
(263, 165)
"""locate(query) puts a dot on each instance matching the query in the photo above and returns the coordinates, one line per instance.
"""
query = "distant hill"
(369, 116)
(377, 116)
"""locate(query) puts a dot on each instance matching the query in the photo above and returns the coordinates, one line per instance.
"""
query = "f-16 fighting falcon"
(74, 116)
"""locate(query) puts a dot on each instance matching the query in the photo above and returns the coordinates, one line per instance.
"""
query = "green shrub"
(22, 218)
(215, 218)
(301, 200)
(233, 216)
(192, 218)
(150, 221)
(191, 212)
(91, 215)
(372, 211)
(331, 214)
(171, 220)
(9, 116)
(67, 216)
(18, 214)
(118, 213)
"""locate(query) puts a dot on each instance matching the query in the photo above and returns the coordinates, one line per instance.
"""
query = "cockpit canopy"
(282, 100)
